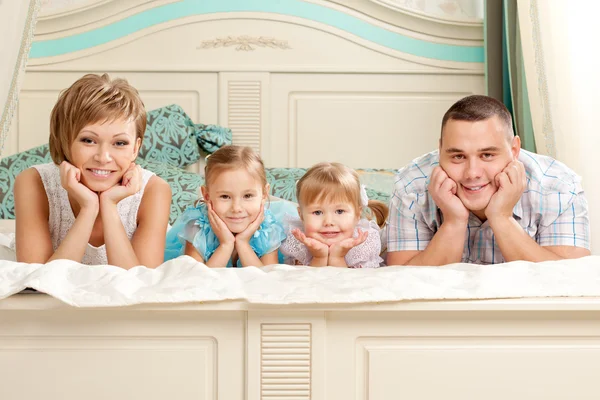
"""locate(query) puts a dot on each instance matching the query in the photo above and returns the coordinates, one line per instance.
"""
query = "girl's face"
(236, 196)
(103, 152)
(329, 222)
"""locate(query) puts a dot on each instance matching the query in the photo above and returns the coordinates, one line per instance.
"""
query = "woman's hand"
(130, 184)
(70, 179)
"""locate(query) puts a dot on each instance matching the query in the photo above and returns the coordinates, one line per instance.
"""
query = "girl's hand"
(342, 248)
(247, 233)
(316, 248)
(70, 179)
(219, 227)
(130, 184)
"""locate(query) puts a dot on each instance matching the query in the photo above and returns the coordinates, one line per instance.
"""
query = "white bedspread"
(185, 280)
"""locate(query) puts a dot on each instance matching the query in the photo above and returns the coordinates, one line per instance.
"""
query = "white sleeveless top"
(61, 217)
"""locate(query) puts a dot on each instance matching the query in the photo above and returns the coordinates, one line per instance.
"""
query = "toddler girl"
(330, 231)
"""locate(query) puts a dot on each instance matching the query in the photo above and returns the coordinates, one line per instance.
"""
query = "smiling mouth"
(329, 234)
(100, 173)
(234, 219)
(474, 189)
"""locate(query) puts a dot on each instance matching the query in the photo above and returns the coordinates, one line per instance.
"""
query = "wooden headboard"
(356, 81)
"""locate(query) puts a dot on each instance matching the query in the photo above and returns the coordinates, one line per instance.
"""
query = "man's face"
(472, 154)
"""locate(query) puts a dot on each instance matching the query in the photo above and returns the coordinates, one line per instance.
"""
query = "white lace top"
(61, 217)
(365, 255)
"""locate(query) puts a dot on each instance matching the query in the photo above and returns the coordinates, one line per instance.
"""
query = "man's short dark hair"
(478, 108)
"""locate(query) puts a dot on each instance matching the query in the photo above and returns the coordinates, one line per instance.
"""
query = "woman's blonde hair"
(335, 182)
(234, 157)
(91, 99)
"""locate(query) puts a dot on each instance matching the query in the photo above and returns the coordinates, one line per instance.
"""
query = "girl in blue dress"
(235, 223)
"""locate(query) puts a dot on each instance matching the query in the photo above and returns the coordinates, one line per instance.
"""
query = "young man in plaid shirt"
(481, 199)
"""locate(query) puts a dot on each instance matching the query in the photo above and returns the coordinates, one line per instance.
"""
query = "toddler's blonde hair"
(334, 182)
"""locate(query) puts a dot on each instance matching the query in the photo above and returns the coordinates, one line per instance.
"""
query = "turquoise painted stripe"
(296, 8)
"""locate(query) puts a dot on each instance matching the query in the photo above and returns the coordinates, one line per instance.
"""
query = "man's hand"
(443, 191)
(511, 183)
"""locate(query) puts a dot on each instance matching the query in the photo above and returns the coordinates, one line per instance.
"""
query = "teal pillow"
(169, 137)
(172, 137)
(12, 166)
(283, 182)
(185, 186)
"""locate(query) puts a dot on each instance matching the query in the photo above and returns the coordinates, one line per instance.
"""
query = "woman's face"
(104, 151)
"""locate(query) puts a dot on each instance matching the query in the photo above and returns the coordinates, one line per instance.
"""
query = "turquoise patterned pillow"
(10, 167)
(169, 137)
(283, 182)
(173, 138)
(185, 186)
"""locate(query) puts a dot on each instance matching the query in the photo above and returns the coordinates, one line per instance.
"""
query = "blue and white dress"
(194, 226)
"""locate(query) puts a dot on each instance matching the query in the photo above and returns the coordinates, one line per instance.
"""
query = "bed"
(293, 79)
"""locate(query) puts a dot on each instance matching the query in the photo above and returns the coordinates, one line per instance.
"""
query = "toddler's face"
(329, 222)
(236, 197)
(103, 152)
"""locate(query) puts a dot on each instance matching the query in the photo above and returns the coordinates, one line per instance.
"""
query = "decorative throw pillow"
(169, 137)
(283, 181)
(173, 138)
(10, 167)
(185, 186)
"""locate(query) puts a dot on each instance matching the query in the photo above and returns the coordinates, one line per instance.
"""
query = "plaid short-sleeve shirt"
(552, 210)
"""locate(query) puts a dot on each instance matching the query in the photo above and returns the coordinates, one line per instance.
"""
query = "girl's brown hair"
(91, 99)
(335, 182)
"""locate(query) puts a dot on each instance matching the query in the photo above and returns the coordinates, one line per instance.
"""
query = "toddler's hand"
(342, 248)
(317, 249)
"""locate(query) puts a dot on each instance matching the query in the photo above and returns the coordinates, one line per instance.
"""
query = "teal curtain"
(508, 83)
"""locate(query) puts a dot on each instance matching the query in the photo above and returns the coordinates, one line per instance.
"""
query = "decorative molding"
(245, 43)
(355, 26)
